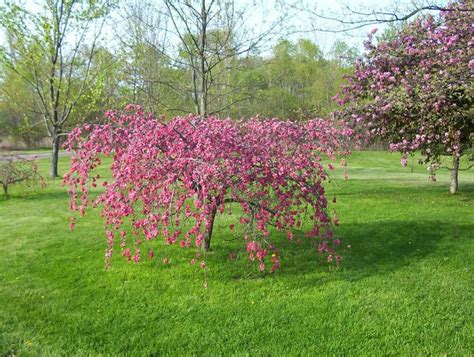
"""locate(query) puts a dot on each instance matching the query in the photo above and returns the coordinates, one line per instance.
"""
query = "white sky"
(298, 20)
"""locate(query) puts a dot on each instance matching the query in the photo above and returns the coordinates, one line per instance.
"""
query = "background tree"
(416, 90)
(16, 169)
(147, 74)
(153, 64)
(19, 116)
(297, 81)
(212, 36)
(47, 51)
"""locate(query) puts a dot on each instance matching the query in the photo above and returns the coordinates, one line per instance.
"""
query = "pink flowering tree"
(171, 179)
(416, 90)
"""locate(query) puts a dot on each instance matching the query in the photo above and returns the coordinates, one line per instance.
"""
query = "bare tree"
(146, 71)
(52, 50)
(211, 36)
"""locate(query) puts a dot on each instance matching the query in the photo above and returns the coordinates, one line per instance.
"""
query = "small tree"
(15, 169)
(173, 178)
(416, 90)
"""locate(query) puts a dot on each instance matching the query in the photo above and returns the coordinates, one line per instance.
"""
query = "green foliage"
(48, 65)
(16, 120)
(297, 81)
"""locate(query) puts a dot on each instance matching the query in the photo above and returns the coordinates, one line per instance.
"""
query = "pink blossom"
(127, 254)
(173, 179)
(405, 89)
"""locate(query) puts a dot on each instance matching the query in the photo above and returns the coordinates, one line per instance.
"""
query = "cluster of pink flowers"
(171, 178)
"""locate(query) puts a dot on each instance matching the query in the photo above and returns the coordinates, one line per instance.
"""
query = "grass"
(405, 287)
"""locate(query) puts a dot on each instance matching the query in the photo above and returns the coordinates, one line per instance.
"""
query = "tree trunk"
(203, 59)
(55, 156)
(206, 242)
(454, 175)
(5, 190)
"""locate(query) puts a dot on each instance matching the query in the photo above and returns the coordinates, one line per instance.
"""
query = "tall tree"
(148, 78)
(52, 50)
(212, 35)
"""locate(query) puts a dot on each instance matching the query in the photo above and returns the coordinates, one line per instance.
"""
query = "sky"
(299, 24)
(342, 9)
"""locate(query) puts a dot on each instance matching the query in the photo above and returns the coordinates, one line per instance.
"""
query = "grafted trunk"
(454, 175)
(206, 242)
(55, 157)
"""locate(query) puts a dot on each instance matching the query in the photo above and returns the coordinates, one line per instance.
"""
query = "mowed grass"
(405, 285)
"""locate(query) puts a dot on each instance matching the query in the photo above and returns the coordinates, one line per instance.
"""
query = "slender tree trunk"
(454, 175)
(55, 156)
(206, 242)
(203, 59)
(5, 190)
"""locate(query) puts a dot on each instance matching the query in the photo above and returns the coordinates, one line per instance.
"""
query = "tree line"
(59, 69)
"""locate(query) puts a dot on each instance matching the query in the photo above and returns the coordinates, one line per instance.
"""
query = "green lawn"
(405, 286)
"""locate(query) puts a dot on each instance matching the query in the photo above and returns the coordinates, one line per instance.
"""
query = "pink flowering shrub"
(170, 179)
(415, 91)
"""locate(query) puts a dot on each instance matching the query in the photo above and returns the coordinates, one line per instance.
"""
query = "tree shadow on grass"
(465, 190)
(376, 248)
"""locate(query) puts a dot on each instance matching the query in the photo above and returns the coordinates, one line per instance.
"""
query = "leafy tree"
(173, 178)
(147, 74)
(343, 55)
(416, 89)
(19, 118)
(297, 81)
(47, 51)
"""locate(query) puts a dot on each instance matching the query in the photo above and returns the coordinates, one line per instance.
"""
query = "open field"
(405, 285)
